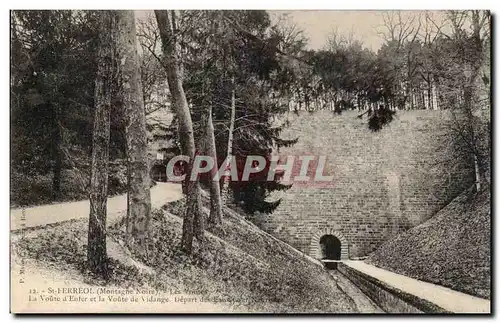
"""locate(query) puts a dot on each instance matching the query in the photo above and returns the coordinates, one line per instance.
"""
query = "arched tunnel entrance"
(330, 250)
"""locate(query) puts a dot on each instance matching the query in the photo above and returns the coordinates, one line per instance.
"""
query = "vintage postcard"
(250, 161)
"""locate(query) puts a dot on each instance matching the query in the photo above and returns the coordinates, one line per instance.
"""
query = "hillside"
(450, 249)
(242, 268)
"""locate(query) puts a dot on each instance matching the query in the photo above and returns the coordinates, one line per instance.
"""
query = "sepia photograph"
(250, 161)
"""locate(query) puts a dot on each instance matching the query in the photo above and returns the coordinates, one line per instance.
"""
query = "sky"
(363, 25)
(319, 24)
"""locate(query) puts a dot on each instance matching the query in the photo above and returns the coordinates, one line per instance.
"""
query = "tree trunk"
(434, 96)
(193, 223)
(477, 173)
(429, 93)
(422, 98)
(96, 246)
(215, 218)
(470, 129)
(132, 99)
(470, 96)
(225, 181)
(57, 155)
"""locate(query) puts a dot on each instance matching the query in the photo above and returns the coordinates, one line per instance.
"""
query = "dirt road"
(41, 215)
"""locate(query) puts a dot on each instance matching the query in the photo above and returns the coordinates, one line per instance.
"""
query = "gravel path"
(446, 298)
(42, 215)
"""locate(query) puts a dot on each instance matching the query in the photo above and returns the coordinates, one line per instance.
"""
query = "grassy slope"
(450, 249)
(242, 264)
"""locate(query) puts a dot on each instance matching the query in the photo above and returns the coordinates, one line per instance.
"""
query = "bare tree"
(292, 38)
(215, 218)
(399, 26)
(429, 34)
(152, 66)
(479, 21)
(225, 182)
(470, 36)
(336, 40)
(402, 30)
(193, 224)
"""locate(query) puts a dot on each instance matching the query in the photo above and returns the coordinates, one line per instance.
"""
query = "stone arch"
(315, 248)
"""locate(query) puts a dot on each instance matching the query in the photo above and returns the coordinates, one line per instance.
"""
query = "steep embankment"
(242, 268)
(450, 249)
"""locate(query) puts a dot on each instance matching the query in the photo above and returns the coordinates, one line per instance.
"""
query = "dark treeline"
(420, 65)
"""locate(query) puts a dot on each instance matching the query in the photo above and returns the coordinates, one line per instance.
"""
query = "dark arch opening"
(330, 250)
(159, 173)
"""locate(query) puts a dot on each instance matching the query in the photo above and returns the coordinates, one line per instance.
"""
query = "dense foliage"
(53, 70)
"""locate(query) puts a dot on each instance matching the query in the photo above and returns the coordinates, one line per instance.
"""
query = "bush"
(30, 190)
(117, 179)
